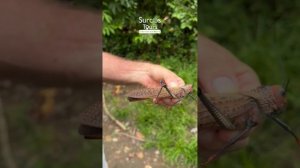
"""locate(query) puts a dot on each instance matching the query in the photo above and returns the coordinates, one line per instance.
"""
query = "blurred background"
(169, 134)
(42, 125)
(42, 120)
(265, 35)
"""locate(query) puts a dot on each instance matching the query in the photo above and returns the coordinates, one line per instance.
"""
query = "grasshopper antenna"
(190, 94)
(280, 123)
(285, 85)
(284, 73)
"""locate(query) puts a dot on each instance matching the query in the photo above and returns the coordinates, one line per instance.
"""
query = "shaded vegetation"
(265, 35)
(120, 19)
(45, 140)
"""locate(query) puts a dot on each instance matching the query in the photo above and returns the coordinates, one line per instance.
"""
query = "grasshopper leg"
(220, 118)
(249, 125)
(164, 85)
(189, 94)
(279, 122)
(284, 126)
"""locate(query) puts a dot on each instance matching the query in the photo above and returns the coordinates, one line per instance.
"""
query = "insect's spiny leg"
(249, 125)
(190, 94)
(220, 118)
(170, 93)
(164, 85)
(159, 92)
(279, 122)
(284, 126)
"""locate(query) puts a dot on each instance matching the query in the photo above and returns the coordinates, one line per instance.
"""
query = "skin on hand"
(221, 72)
(158, 73)
(146, 74)
(59, 44)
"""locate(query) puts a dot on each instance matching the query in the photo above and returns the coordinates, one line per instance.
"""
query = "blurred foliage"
(121, 25)
(52, 141)
(266, 36)
(55, 141)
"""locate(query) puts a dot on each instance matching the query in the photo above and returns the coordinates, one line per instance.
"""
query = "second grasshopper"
(222, 111)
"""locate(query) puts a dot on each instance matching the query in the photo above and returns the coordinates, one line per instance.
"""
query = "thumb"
(170, 78)
(174, 81)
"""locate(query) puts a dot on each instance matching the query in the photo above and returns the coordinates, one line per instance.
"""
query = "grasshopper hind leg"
(220, 118)
(164, 85)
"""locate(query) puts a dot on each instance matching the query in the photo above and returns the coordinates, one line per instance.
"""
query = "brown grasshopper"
(162, 92)
(91, 121)
(221, 111)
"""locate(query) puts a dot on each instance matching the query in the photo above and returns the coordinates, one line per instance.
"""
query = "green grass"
(165, 129)
(265, 36)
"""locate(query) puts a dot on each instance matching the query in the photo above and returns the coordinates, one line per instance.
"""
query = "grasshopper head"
(186, 89)
(279, 94)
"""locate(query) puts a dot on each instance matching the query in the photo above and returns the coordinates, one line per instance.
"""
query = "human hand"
(152, 79)
(147, 74)
(221, 72)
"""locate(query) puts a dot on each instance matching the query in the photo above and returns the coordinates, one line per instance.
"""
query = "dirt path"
(125, 152)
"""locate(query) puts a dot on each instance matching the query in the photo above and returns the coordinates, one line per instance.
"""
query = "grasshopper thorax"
(271, 99)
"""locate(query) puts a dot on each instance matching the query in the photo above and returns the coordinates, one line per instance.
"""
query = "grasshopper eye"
(282, 92)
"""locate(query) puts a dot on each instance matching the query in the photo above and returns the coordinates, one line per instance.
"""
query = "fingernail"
(177, 83)
(224, 85)
(173, 84)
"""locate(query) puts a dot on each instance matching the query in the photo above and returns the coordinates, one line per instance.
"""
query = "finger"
(214, 140)
(247, 78)
(171, 79)
(219, 78)
(174, 82)
(208, 140)
(225, 135)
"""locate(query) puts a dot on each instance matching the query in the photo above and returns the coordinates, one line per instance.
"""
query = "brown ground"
(122, 151)
(125, 152)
